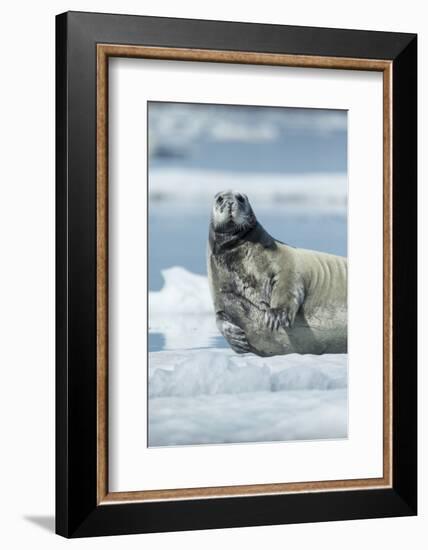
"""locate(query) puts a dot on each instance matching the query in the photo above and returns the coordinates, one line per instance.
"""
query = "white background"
(27, 273)
(132, 83)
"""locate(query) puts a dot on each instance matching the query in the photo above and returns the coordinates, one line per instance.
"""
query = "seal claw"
(276, 318)
(235, 336)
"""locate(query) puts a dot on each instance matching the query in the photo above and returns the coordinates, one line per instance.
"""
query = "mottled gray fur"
(271, 298)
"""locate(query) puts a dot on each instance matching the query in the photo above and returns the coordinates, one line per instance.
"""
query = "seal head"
(232, 213)
(232, 222)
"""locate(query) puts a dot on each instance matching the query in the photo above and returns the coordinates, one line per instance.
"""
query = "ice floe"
(200, 394)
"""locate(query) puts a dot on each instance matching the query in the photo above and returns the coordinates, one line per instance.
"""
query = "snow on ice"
(200, 394)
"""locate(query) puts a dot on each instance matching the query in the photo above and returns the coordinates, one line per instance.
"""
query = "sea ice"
(215, 396)
(199, 394)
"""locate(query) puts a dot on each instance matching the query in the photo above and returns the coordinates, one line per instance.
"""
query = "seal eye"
(220, 200)
(241, 199)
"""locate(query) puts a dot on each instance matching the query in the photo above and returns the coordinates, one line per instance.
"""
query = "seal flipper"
(276, 317)
(281, 315)
(234, 335)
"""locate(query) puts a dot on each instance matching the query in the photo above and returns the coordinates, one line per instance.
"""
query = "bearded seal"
(271, 298)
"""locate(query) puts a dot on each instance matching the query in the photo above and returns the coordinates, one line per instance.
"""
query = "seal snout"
(229, 201)
(231, 211)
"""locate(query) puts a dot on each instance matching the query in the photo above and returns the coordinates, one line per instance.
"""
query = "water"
(247, 139)
(283, 155)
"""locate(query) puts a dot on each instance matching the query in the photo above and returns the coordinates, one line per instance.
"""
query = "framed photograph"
(236, 274)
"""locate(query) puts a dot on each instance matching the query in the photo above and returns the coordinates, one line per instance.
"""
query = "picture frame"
(84, 44)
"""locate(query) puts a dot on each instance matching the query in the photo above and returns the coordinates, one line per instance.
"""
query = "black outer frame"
(77, 513)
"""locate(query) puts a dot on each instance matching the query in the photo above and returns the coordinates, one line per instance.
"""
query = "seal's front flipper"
(234, 335)
(277, 317)
(280, 306)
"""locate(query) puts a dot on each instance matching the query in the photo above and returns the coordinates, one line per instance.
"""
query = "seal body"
(271, 298)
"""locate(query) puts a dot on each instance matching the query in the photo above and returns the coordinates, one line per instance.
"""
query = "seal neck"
(222, 242)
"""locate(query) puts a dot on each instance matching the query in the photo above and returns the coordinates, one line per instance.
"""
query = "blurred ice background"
(292, 164)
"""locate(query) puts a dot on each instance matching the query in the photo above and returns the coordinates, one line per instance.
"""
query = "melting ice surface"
(200, 393)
